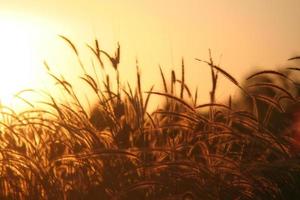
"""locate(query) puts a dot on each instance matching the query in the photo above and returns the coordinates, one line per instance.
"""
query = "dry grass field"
(245, 148)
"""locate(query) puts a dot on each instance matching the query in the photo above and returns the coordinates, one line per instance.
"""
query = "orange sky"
(247, 33)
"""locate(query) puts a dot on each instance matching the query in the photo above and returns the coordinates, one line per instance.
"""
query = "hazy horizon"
(241, 34)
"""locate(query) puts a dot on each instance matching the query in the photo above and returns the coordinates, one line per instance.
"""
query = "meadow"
(245, 148)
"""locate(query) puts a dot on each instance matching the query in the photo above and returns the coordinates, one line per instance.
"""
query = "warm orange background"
(247, 33)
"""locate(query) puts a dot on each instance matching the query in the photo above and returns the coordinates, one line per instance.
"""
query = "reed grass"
(243, 149)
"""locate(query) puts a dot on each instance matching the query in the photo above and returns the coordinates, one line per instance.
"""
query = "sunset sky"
(242, 35)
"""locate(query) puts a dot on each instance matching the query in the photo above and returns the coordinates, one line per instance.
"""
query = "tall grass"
(242, 149)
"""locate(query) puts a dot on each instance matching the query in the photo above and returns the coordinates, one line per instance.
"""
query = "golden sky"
(247, 33)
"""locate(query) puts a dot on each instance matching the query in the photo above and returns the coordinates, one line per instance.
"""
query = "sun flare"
(17, 63)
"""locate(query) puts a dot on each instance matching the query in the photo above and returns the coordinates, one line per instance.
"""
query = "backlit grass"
(245, 148)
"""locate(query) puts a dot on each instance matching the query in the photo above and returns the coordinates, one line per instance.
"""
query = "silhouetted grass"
(247, 148)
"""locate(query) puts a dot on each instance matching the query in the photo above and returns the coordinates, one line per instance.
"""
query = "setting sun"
(17, 60)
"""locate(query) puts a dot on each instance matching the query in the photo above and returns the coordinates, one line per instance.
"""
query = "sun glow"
(17, 60)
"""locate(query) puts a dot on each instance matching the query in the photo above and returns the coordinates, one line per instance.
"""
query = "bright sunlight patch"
(16, 60)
